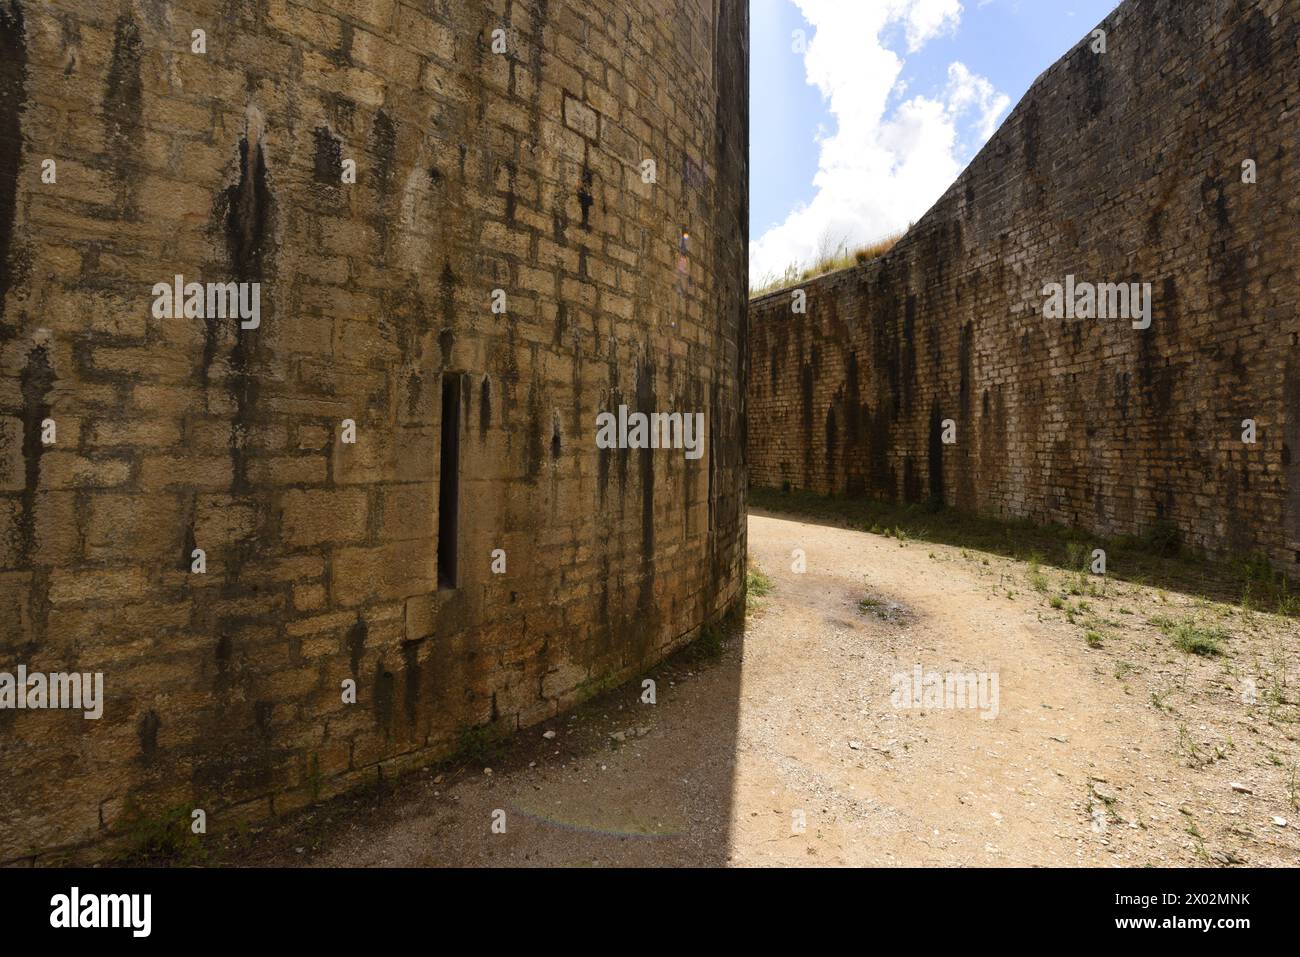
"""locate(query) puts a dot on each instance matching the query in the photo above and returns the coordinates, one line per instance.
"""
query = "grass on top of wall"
(827, 261)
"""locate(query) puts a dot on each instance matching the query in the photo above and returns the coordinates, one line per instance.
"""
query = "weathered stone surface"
(224, 689)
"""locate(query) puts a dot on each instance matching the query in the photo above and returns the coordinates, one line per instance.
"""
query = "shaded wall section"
(477, 169)
(1126, 167)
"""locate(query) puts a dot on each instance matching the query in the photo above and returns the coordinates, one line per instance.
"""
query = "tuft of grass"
(1076, 555)
(1206, 641)
(1093, 638)
(757, 583)
(476, 744)
(757, 586)
(1036, 577)
(1195, 639)
(869, 605)
(162, 837)
(1264, 587)
(709, 644)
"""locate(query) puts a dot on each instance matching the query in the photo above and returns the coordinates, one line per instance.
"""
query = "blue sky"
(858, 136)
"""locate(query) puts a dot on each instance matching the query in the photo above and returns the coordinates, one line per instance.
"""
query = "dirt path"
(1124, 754)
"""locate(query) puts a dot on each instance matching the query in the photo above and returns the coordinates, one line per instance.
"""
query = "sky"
(856, 136)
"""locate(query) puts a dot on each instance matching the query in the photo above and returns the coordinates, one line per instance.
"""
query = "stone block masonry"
(390, 477)
(1169, 160)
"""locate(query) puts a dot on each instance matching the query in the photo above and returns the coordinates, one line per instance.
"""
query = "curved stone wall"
(460, 258)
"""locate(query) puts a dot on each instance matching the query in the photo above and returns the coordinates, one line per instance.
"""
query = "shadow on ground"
(616, 782)
(1157, 559)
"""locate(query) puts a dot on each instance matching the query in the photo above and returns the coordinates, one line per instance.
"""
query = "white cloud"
(883, 166)
(927, 18)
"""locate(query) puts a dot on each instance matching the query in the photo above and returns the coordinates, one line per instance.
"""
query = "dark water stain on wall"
(1250, 45)
(806, 416)
(1031, 131)
(411, 679)
(70, 44)
(36, 382)
(966, 494)
(148, 729)
(13, 100)
(645, 402)
(540, 15)
(485, 407)
(1090, 69)
(561, 324)
(832, 444)
(1214, 196)
(356, 642)
(328, 166)
(223, 655)
(936, 457)
(240, 754)
(512, 182)
(1156, 377)
(533, 439)
(647, 610)
(1291, 444)
(414, 390)
(912, 487)
(383, 144)
(245, 210)
(263, 719)
(964, 364)
(853, 400)
(385, 697)
(189, 542)
(882, 474)
(123, 112)
(584, 196)
(907, 361)
(1122, 389)
(447, 283)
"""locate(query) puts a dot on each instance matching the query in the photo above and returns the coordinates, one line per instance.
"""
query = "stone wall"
(1122, 166)
(328, 561)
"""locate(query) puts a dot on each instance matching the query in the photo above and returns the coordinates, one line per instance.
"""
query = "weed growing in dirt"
(710, 644)
(162, 837)
(1203, 640)
(1036, 577)
(757, 585)
(475, 744)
